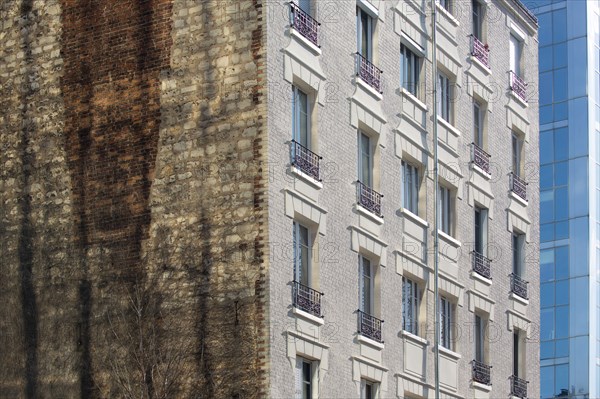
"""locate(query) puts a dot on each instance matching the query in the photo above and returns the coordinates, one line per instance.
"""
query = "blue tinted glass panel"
(547, 146)
(547, 232)
(562, 322)
(545, 31)
(560, 85)
(547, 295)
(561, 259)
(561, 144)
(546, 178)
(561, 380)
(578, 126)
(560, 55)
(561, 173)
(546, 114)
(545, 88)
(561, 203)
(562, 348)
(545, 56)
(547, 265)
(546, 350)
(546, 206)
(559, 26)
(561, 230)
(577, 70)
(562, 292)
(547, 382)
(547, 324)
(561, 112)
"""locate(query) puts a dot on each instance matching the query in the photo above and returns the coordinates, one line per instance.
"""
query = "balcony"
(369, 198)
(518, 387)
(368, 72)
(518, 286)
(369, 326)
(518, 86)
(518, 186)
(481, 158)
(480, 51)
(481, 265)
(481, 372)
(307, 299)
(306, 25)
(306, 160)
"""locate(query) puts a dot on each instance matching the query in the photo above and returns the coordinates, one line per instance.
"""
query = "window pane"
(561, 378)
(560, 85)
(562, 322)
(560, 55)
(547, 324)
(562, 292)
(559, 26)
(561, 230)
(546, 351)
(546, 206)
(561, 203)
(547, 295)
(547, 232)
(546, 265)
(547, 382)
(562, 348)
(562, 262)
(561, 144)
(561, 173)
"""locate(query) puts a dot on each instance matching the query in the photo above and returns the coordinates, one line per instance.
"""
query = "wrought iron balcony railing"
(369, 198)
(518, 186)
(518, 387)
(481, 265)
(307, 299)
(481, 372)
(369, 326)
(480, 51)
(481, 158)
(518, 85)
(306, 160)
(518, 286)
(306, 25)
(368, 72)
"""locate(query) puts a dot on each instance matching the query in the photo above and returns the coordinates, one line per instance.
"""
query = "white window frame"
(367, 274)
(446, 308)
(299, 231)
(444, 98)
(298, 115)
(446, 210)
(411, 302)
(368, 181)
(369, 33)
(410, 187)
(374, 387)
(301, 378)
(446, 5)
(410, 64)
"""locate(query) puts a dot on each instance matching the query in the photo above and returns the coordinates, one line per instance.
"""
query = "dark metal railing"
(481, 265)
(481, 158)
(306, 160)
(480, 51)
(518, 387)
(307, 299)
(369, 326)
(518, 286)
(368, 72)
(518, 186)
(306, 25)
(481, 372)
(518, 85)
(369, 198)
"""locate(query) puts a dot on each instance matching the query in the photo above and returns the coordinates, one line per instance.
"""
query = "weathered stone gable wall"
(132, 199)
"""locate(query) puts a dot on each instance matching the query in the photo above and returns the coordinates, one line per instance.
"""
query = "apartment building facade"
(569, 153)
(236, 199)
(351, 205)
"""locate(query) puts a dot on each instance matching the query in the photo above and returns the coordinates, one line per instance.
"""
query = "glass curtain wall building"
(569, 197)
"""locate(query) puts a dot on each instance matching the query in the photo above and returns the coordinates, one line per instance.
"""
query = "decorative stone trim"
(363, 241)
(478, 301)
(297, 205)
(450, 287)
(407, 265)
(519, 321)
(365, 368)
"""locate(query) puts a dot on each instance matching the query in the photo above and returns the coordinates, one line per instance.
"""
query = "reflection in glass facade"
(569, 92)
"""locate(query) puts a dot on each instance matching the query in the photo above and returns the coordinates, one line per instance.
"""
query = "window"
(478, 125)
(410, 68)
(305, 375)
(302, 255)
(410, 306)
(365, 160)
(445, 204)
(368, 389)
(364, 24)
(517, 151)
(517, 363)
(446, 323)
(300, 117)
(446, 5)
(366, 285)
(444, 98)
(410, 185)
(515, 51)
(481, 230)
(304, 5)
(477, 19)
(518, 243)
(480, 345)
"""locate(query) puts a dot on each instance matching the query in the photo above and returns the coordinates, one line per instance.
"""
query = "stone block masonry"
(132, 199)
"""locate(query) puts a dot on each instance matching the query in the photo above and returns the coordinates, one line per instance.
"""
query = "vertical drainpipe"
(436, 207)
